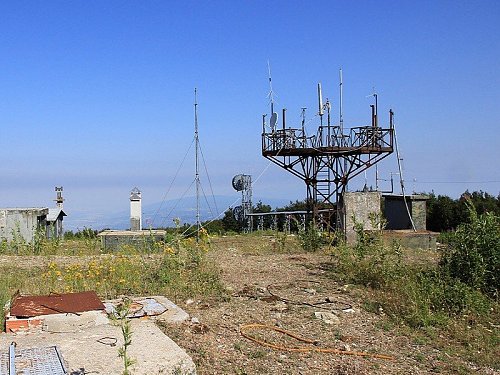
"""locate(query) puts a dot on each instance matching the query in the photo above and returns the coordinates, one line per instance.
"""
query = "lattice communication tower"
(327, 159)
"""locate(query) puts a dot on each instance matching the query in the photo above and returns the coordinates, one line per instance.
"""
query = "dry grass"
(245, 266)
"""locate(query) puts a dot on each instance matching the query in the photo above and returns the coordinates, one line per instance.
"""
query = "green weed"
(457, 297)
(311, 238)
(120, 319)
(473, 254)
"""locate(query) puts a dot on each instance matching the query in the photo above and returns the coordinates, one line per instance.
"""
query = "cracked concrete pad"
(90, 350)
(64, 323)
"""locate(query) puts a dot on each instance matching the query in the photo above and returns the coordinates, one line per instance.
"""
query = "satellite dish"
(242, 182)
(274, 120)
(238, 183)
(238, 213)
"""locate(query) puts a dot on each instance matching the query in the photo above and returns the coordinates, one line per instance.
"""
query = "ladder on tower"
(323, 186)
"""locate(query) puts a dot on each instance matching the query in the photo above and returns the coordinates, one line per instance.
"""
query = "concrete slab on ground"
(90, 351)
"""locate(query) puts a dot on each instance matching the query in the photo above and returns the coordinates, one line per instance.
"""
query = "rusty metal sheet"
(29, 306)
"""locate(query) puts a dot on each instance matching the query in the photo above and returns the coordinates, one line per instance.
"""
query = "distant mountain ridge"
(162, 215)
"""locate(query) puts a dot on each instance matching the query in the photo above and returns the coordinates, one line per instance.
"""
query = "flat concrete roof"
(409, 196)
(132, 233)
(23, 208)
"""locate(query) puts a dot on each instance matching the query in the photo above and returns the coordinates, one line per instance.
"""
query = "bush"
(422, 298)
(370, 261)
(427, 295)
(311, 238)
(473, 254)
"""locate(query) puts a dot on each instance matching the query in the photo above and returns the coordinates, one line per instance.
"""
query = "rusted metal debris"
(31, 306)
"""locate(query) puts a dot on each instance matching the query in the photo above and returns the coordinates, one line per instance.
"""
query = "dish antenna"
(274, 120)
(238, 182)
(242, 182)
(238, 213)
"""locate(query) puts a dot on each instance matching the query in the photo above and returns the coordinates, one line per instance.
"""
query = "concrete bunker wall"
(22, 222)
(359, 207)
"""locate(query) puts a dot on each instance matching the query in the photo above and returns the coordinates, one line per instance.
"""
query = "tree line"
(446, 214)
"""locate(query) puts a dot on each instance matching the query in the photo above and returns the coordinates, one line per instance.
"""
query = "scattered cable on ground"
(111, 341)
(257, 326)
(319, 304)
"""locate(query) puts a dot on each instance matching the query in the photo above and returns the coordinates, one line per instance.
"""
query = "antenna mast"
(341, 114)
(197, 166)
(341, 123)
(271, 94)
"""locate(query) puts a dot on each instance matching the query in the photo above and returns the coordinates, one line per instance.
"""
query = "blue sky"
(97, 96)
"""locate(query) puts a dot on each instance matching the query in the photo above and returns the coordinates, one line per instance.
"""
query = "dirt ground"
(260, 285)
(290, 291)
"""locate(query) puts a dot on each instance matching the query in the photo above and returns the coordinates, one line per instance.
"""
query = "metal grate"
(34, 361)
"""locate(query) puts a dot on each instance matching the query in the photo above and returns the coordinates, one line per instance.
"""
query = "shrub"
(423, 298)
(370, 261)
(424, 295)
(311, 238)
(473, 254)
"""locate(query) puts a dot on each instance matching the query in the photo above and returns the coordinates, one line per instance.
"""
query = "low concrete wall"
(141, 240)
(423, 240)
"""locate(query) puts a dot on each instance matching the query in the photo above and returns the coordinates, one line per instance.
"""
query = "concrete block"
(72, 322)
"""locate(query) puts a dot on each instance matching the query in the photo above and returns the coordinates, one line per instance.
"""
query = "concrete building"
(55, 216)
(397, 216)
(55, 222)
(135, 210)
(22, 223)
(359, 207)
(145, 240)
(362, 206)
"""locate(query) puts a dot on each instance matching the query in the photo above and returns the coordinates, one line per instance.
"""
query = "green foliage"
(473, 254)
(90, 238)
(427, 296)
(280, 239)
(422, 298)
(311, 238)
(120, 318)
(261, 207)
(370, 261)
(39, 238)
(214, 227)
(445, 213)
(230, 223)
(185, 272)
(18, 244)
